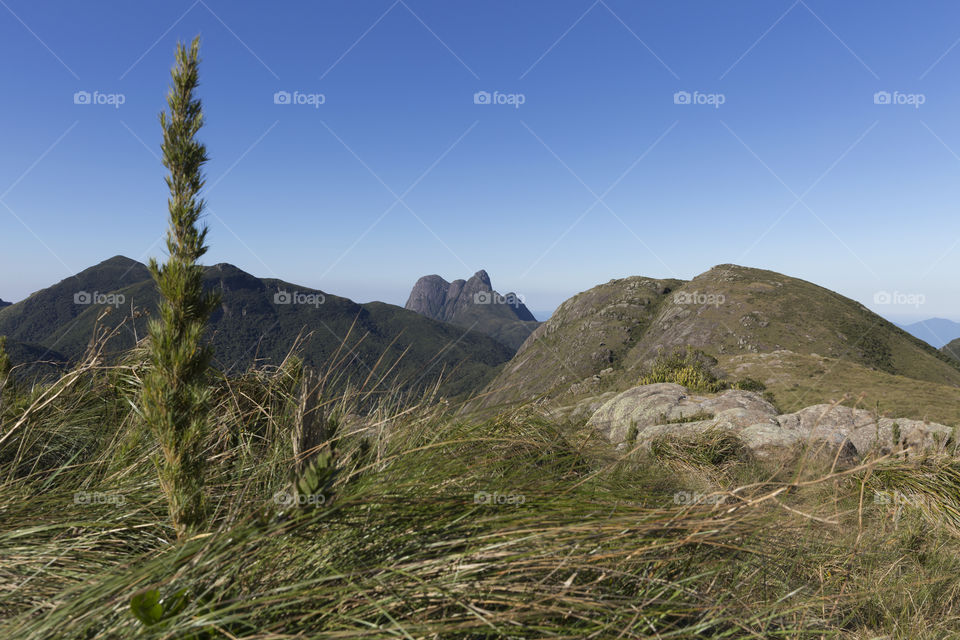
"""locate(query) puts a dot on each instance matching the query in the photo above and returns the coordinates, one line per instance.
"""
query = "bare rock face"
(858, 426)
(652, 411)
(475, 305)
(653, 405)
(429, 296)
(436, 298)
(4, 304)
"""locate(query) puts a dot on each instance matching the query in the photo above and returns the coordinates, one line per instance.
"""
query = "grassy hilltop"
(606, 338)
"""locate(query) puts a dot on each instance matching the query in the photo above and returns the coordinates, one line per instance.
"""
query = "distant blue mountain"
(936, 331)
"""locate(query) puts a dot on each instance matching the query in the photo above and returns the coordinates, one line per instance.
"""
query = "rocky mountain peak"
(428, 296)
(481, 280)
(436, 298)
(473, 304)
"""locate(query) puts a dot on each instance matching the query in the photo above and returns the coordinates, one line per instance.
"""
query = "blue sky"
(603, 171)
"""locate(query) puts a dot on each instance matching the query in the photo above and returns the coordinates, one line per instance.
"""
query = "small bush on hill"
(749, 384)
(691, 368)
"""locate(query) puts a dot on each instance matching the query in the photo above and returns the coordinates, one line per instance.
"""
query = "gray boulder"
(654, 405)
(836, 424)
(652, 411)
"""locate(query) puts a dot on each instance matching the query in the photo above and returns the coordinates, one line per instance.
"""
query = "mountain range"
(473, 304)
(258, 321)
(804, 343)
(934, 331)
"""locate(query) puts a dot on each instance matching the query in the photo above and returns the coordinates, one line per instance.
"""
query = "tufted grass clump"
(691, 368)
(712, 448)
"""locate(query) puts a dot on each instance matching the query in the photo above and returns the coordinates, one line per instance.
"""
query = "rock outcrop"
(666, 404)
(473, 304)
(642, 414)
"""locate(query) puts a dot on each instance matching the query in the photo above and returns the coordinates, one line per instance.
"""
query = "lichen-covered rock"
(657, 404)
(640, 415)
(863, 430)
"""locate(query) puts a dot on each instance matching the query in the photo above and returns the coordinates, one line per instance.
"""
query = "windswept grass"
(437, 525)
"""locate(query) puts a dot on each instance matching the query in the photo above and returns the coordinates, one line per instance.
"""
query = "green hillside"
(253, 325)
(605, 338)
(952, 349)
(46, 314)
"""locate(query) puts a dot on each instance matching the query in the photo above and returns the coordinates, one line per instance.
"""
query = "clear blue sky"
(798, 170)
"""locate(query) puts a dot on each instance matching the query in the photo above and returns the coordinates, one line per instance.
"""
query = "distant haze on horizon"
(356, 147)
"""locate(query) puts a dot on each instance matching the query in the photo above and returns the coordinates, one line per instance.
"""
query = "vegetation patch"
(691, 368)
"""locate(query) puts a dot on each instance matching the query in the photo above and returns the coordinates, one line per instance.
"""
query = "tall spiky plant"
(175, 395)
